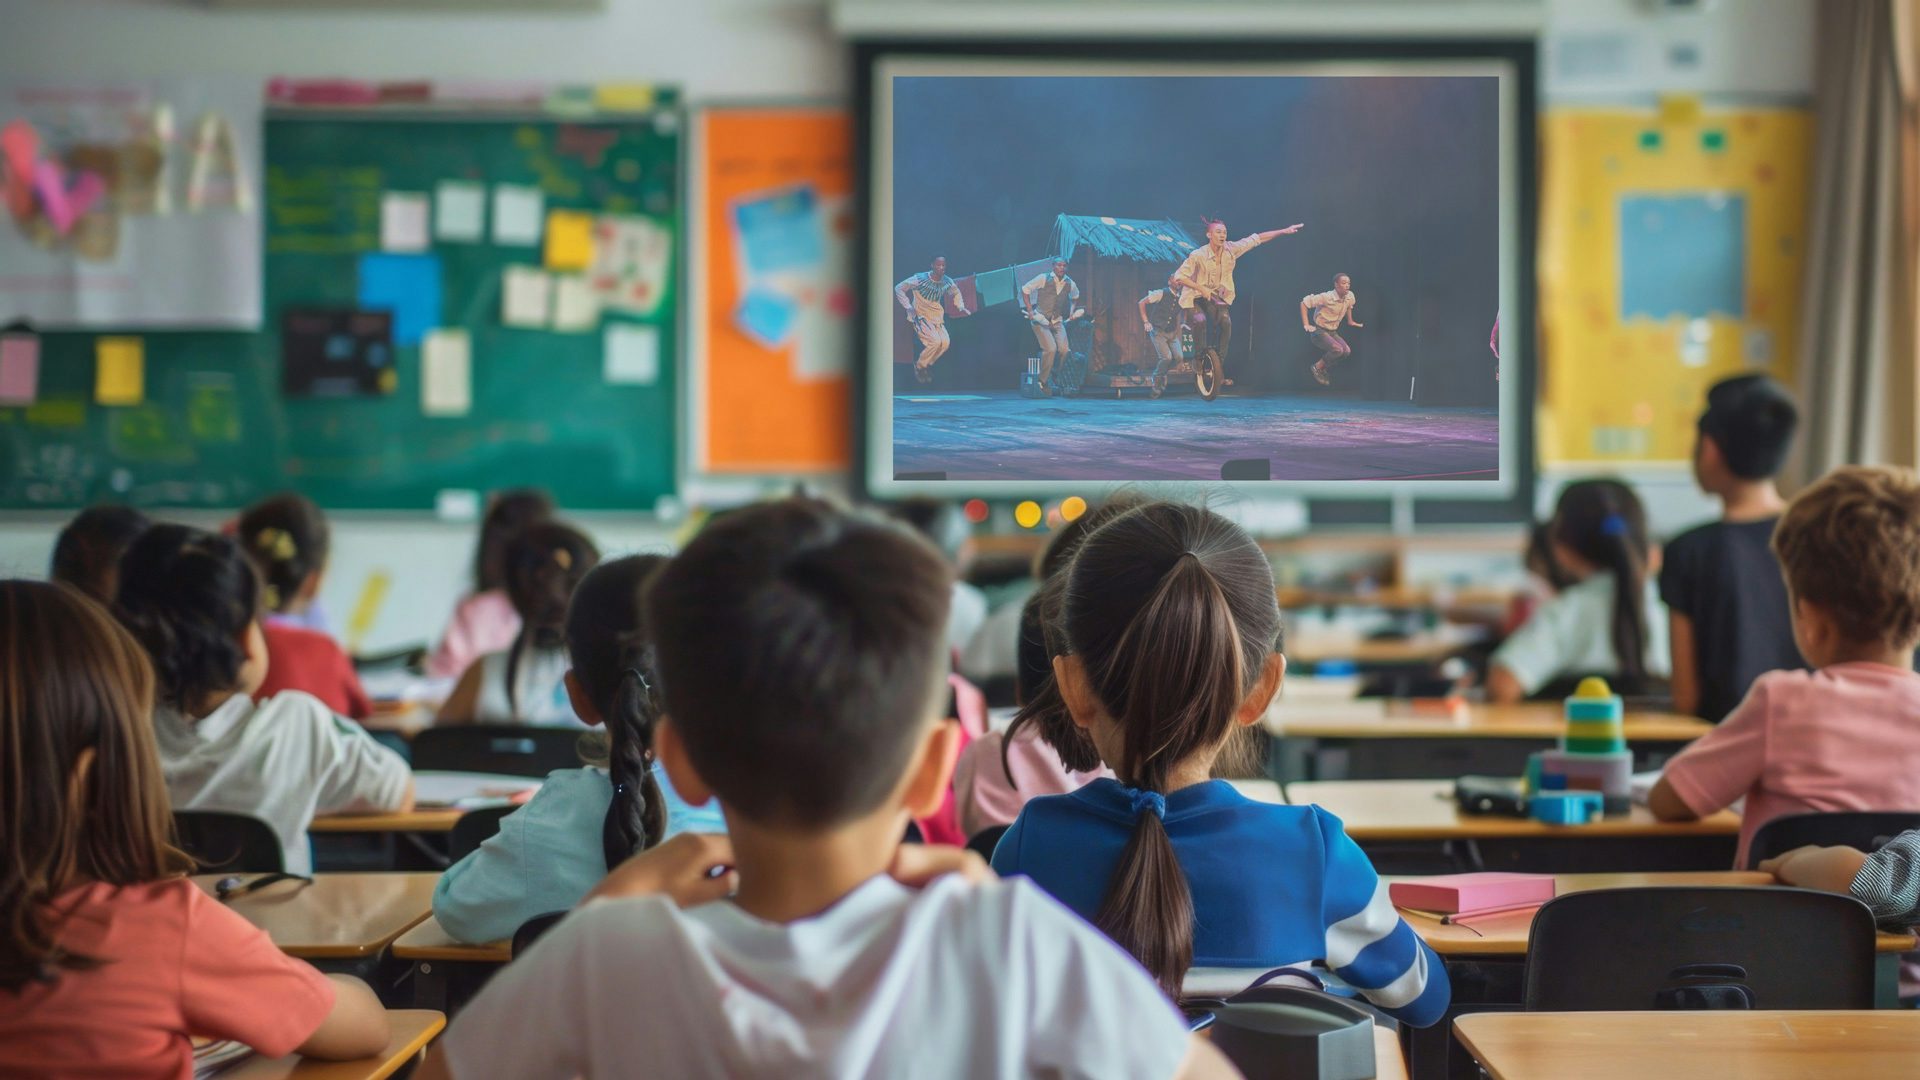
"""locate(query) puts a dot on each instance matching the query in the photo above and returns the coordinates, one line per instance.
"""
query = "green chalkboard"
(216, 428)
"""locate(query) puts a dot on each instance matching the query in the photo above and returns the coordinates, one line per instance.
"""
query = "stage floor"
(1003, 436)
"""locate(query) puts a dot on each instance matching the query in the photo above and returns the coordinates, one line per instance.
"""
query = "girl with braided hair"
(582, 822)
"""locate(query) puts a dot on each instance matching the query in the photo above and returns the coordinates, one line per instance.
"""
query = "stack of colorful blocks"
(1592, 772)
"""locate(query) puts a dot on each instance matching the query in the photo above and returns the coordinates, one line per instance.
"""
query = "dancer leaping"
(924, 297)
(1320, 316)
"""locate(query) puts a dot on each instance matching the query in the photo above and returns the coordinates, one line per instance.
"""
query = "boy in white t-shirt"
(801, 653)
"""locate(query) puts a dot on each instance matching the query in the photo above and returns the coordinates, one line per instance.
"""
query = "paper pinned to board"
(525, 296)
(120, 372)
(631, 257)
(631, 354)
(446, 373)
(19, 369)
(403, 221)
(460, 211)
(569, 240)
(518, 212)
(576, 307)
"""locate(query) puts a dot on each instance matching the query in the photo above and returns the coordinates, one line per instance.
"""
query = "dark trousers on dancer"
(1219, 328)
(1333, 348)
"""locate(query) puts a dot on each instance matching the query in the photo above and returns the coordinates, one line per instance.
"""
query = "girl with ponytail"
(1166, 641)
(287, 538)
(1609, 621)
(545, 562)
(584, 821)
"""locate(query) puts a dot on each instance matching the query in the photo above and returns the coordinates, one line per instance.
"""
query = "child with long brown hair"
(525, 683)
(1168, 638)
(109, 957)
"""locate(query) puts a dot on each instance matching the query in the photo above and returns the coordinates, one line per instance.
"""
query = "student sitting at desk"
(1887, 881)
(288, 539)
(1170, 634)
(110, 959)
(1609, 622)
(1845, 736)
(484, 621)
(802, 654)
(549, 852)
(193, 599)
(525, 683)
(87, 553)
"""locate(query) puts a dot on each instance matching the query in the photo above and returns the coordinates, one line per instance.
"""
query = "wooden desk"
(337, 916)
(413, 1029)
(434, 820)
(446, 971)
(1505, 934)
(1528, 720)
(1418, 650)
(1756, 1045)
(1425, 810)
(1389, 1061)
(405, 719)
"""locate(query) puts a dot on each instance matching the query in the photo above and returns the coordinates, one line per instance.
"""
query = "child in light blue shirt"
(550, 852)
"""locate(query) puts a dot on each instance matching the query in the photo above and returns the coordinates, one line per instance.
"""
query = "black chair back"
(219, 841)
(1700, 948)
(531, 930)
(985, 840)
(497, 748)
(1863, 829)
(474, 828)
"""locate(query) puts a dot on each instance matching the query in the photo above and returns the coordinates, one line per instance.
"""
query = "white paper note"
(525, 296)
(518, 213)
(403, 221)
(460, 211)
(446, 373)
(632, 354)
(576, 306)
(457, 504)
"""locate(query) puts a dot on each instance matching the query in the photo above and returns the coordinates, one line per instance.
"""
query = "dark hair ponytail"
(508, 512)
(545, 563)
(1603, 522)
(187, 596)
(612, 657)
(1171, 611)
(286, 536)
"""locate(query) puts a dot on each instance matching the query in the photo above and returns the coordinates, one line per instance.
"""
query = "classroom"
(797, 537)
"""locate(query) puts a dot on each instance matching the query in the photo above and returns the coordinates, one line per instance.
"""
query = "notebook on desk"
(468, 790)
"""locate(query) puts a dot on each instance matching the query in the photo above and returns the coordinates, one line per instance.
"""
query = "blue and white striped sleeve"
(1368, 944)
(1889, 881)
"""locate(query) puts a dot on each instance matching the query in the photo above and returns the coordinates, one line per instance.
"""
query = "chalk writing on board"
(323, 210)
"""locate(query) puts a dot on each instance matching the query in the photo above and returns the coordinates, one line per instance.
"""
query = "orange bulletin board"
(768, 359)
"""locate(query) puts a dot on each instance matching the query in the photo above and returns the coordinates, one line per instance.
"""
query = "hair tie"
(641, 678)
(563, 558)
(276, 542)
(1613, 525)
(1140, 800)
(270, 596)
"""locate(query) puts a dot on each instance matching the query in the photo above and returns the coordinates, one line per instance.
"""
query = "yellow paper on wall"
(623, 97)
(569, 240)
(120, 371)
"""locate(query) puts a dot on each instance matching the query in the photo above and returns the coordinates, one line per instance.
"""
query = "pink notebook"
(1452, 894)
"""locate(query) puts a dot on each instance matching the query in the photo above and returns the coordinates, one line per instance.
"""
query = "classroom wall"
(1593, 51)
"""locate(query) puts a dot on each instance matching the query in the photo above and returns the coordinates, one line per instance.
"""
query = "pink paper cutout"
(65, 204)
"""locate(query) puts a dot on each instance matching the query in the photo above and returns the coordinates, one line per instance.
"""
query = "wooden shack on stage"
(1117, 261)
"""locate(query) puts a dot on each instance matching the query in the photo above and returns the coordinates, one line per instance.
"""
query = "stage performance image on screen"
(1137, 272)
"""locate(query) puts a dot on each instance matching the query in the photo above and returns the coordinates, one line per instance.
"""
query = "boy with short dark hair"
(1845, 736)
(1726, 604)
(801, 654)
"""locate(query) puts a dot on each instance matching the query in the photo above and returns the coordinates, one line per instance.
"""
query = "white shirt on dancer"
(1214, 271)
(928, 297)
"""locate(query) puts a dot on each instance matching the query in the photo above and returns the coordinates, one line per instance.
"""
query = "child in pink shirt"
(485, 620)
(1847, 735)
(111, 959)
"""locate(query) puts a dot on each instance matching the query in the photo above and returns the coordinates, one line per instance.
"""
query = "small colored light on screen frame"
(1072, 507)
(1027, 514)
(976, 510)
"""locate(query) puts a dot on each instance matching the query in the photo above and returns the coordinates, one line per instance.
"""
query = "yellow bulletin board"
(1670, 258)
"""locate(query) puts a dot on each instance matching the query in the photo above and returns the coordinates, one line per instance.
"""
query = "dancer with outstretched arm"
(1320, 316)
(1206, 281)
(924, 297)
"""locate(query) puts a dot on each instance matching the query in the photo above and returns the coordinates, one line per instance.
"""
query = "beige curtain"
(1860, 328)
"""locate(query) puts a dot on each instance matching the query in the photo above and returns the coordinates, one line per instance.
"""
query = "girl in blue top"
(1165, 640)
(550, 852)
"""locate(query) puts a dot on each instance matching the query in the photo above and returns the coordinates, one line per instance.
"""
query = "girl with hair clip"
(484, 621)
(111, 960)
(550, 852)
(1165, 642)
(1608, 620)
(524, 684)
(193, 600)
(288, 540)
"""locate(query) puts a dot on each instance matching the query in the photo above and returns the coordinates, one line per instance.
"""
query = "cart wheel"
(1206, 374)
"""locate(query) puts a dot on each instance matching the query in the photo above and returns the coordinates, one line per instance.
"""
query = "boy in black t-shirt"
(1721, 583)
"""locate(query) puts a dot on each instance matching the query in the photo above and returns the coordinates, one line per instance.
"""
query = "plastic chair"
(1863, 829)
(1700, 948)
(497, 748)
(219, 841)
(474, 828)
(985, 840)
(531, 930)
